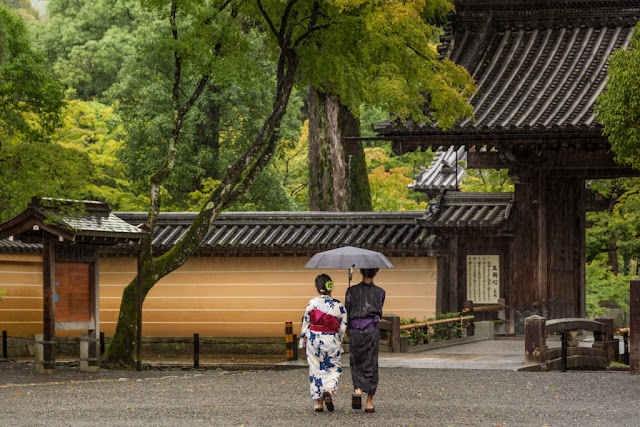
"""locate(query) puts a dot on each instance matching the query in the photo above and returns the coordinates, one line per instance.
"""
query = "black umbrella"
(349, 257)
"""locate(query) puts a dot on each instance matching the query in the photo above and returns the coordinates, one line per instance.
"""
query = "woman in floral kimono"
(323, 327)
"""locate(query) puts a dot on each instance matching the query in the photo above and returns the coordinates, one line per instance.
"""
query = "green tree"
(30, 99)
(393, 64)
(22, 8)
(485, 180)
(204, 46)
(604, 286)
(85, 42)
(619, 104)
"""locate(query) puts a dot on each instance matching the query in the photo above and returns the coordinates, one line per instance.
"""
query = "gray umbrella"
(349, 257)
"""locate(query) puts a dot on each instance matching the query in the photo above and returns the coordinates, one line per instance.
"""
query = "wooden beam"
(572, 163)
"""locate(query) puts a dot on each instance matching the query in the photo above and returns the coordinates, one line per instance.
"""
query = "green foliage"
(619, 105)
(620, 224)
(22, 8)
(435, 333)
(2, 292)
(604, 287)
(30, 99)
(85, 42)
(390, 176)
(95, 130)
(379, 54)
(485, 180)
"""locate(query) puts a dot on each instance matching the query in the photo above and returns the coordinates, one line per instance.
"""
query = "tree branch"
(275, 32)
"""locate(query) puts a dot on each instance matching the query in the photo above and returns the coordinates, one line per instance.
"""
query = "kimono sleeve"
(306, 324)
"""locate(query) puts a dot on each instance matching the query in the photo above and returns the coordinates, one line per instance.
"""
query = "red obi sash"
(322, 322)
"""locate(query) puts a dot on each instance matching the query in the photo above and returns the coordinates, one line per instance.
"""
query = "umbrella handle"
(350, 275)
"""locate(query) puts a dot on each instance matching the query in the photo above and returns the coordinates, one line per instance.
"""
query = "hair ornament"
(328, 285)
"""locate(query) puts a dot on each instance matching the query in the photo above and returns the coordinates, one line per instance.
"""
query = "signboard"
(483, 279)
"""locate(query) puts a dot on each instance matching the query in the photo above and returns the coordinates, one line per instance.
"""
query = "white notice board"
(483, 279)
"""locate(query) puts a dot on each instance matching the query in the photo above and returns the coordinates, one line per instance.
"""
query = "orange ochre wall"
(215, 296)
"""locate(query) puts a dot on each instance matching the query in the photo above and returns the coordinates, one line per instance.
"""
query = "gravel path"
(434, 397)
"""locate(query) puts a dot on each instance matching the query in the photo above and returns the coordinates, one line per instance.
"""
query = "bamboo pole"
(483, 308)
(435, 322)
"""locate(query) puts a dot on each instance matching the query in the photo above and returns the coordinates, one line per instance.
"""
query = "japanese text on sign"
(483, 278)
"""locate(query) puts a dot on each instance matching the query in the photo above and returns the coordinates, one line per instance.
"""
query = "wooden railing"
(570, 354)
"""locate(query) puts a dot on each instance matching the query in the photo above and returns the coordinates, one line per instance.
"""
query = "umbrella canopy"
(349, 257)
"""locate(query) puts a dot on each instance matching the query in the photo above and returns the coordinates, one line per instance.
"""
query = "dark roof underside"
(539, 65)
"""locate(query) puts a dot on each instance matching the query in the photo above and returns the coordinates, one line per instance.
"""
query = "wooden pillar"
(48, 306)
(139, 316)
(634, 326)
(525, 251)
(94, 334)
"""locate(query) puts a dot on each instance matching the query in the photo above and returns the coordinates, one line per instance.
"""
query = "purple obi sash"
(365, 323)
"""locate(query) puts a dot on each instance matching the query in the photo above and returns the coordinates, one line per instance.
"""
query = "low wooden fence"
(570, 354)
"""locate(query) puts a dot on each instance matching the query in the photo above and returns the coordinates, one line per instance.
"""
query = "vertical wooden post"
(634, 326)
(94, 277)
(139, 316)
(288, 331)
(565, 344)
(196, 351)
(535, 339)
(396, 343)
(4, 345)
(48, 306)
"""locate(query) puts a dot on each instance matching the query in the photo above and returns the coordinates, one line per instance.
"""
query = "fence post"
(467, 309)
(535, 339)
(295, 347)
(288, 331)
(196, 351)
(625, 337)
(565, 344)
(634, 327)
(4, 345)
(101, 343)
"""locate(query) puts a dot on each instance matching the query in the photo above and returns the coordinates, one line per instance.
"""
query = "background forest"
(86, 97)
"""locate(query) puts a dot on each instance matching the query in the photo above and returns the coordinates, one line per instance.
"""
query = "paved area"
(405, 397)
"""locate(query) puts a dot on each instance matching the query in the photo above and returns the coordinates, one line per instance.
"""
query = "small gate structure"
(72, 233)
(570, 355)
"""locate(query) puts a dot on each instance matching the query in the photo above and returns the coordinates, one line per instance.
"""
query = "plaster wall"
(214, 296)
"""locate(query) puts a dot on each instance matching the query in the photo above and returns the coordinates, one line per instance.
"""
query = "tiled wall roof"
(238, 233)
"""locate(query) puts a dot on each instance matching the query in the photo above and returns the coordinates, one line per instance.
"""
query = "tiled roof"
(295, 232)
(454, 209)
(443, 173)
(78, 221)
(539, 65)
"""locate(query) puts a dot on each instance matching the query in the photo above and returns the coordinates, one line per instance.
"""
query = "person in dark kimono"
(364, 303)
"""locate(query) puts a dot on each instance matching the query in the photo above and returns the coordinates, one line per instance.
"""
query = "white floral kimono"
(324, 326)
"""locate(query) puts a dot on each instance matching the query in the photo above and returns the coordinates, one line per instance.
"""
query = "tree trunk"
(237, 180)
(337, 169)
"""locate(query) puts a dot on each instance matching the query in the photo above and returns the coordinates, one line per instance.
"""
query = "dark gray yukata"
(364, 303)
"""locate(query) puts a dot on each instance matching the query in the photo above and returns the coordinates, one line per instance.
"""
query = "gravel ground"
(418, 397)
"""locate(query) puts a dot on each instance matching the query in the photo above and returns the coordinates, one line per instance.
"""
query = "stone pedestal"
(39, 351)
(535, 337)
(485, 329)
(88, 346)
